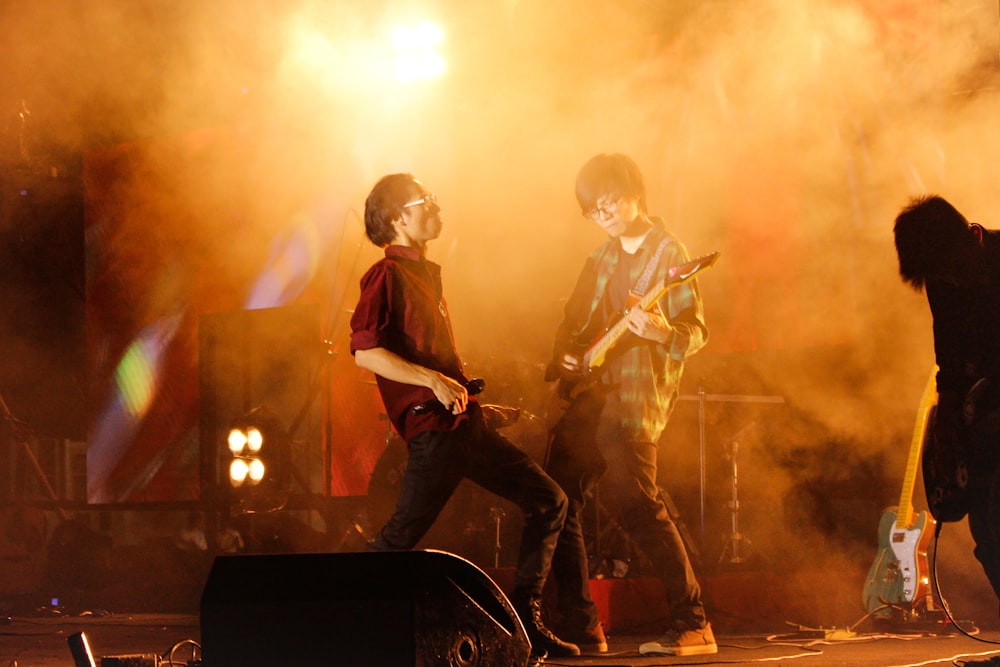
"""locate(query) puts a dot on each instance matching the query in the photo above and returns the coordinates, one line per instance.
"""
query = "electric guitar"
(595, 354)
(945, 465)
(899, 575)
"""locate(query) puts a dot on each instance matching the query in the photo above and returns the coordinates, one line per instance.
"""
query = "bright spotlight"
(237, 441)
(238, 471)
(256, 470)
(414, 38)
(245, 443)
(255, 439)
(416, 47)
(258, 453)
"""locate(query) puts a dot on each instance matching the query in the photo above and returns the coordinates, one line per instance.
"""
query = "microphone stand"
(702, 398)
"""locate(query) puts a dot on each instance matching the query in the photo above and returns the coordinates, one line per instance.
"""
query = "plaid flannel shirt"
(644, 374)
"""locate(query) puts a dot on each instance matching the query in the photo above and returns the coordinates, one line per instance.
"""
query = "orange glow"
(417, 47)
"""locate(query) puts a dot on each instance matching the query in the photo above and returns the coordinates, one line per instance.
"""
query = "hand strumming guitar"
(650, 325)
(571, 365)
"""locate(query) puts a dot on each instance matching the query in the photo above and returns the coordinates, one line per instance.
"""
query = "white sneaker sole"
(656, 648)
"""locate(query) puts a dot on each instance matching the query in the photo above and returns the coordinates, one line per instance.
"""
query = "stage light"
(256, 470)
(245, 442)
(258, 456)
(237, 441)
(254, 439)
(238, 472)
(417, 48)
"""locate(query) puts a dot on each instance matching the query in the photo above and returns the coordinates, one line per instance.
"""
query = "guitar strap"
(642, 284)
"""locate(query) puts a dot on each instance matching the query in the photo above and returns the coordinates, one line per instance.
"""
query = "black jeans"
(587, 447)
(984, 496)
(439, 460)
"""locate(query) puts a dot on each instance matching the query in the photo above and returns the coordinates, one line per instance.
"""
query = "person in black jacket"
(957, 264)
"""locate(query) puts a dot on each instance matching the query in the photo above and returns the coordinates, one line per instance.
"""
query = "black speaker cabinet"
(385, 609)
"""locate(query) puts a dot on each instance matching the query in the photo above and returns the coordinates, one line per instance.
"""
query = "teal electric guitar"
(899, 576)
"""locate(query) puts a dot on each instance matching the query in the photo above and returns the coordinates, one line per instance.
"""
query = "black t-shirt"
(621, 282)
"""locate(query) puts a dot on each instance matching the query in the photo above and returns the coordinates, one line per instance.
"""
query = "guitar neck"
(905, 517)
(677, 275)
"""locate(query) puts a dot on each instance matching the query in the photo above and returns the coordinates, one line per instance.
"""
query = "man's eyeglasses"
(428, 200)
(603, 211)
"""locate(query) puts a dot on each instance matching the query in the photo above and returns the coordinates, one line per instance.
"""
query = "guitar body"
(946, 476)
(899, 574)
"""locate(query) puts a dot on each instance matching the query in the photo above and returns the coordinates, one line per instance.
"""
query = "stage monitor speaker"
(405, 608)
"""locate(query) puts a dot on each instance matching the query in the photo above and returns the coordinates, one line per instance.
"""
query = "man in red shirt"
(401, 331)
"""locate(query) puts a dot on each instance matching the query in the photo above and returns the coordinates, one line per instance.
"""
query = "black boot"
(543, 642)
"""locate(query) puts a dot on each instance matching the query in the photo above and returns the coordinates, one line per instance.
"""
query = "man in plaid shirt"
(615, 415)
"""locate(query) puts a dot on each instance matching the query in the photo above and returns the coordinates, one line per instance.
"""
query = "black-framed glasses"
(428, 200)
(603, 211)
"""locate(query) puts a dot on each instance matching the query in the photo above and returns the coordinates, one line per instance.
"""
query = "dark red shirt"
(402, 309)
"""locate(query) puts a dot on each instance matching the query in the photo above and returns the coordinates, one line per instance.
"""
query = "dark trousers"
(588, 447)
(440, 460)
(983, 495)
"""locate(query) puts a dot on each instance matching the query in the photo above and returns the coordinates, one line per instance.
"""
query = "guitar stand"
(922, 619)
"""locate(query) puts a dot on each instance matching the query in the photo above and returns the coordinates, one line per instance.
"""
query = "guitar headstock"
(687, 270)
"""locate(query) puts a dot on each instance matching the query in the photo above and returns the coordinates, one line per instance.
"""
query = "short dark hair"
(384, 204)
(609, 174)
(926, 231)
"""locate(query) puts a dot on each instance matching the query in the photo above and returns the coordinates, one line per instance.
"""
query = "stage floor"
(814, 617)
(42, 641)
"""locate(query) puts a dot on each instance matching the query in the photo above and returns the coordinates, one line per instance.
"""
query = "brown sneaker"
(699, 641)
(589, 641)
